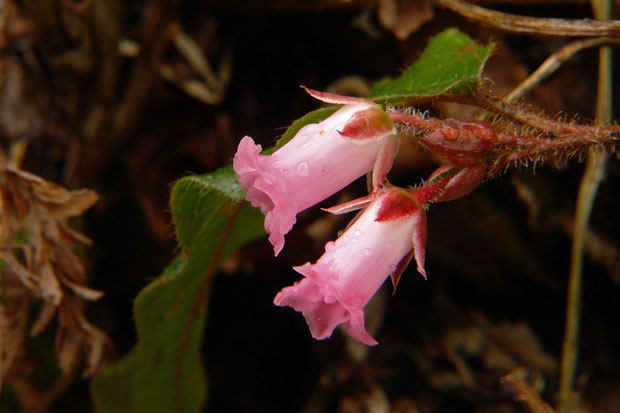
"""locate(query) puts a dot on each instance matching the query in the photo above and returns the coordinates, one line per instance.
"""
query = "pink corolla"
(388, 232)
(321, 159)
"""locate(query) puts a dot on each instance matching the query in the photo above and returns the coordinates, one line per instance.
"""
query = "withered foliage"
(526, 394)
(404, 17)
(42, 273)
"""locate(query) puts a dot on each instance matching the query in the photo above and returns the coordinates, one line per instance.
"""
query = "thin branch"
(534, 25)
(525, 395)
(595, 169)
(570, 348)
(553, 62)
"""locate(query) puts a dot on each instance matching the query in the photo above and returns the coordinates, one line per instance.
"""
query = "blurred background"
(125, 97)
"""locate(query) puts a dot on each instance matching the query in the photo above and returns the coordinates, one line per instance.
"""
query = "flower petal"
(400, 268)
(333, 98)
(353, 205)
(355, 327)
(384, 161)
(338, 286)
(419, 239)
(305, 297)
(266, 188)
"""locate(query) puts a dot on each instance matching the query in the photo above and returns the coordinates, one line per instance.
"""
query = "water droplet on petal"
(357, 233)
(366, 252)
(330, 246)
(303, 169)
(392, 268)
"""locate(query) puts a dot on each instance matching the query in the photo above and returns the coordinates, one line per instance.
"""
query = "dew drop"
(357, 234)
(303, 169)
(330, 246)
(366, 252)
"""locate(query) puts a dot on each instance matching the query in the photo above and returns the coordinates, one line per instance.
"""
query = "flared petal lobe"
(319, 161)
(338, 286)
(267, 189)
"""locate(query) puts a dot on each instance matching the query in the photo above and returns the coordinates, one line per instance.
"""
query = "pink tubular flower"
(380, 243)
(321, 159)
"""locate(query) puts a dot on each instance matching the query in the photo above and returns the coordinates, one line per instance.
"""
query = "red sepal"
(396, 204)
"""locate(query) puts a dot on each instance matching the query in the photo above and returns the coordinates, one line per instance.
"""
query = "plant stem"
(595, 168)
(553, 62)
(533, 25)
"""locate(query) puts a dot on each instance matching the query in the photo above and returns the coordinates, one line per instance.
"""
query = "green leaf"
(451, 64)
(163, 373)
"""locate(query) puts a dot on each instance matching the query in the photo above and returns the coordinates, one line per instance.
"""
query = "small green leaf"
(451, 63)
(163, 373)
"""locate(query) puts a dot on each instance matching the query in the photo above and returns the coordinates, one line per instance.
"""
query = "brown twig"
(595, 169)
(553, 62)
(154, 37)
(526, 395)
(534, 25)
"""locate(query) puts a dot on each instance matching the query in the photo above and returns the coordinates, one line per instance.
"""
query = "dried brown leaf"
(68, 344)
(44, 265)
(84, 292)
(526, 394)
(68, 337)
(49, 285)
(47, 312)
(521, 342)
(70, 236)
(27, 278)
(59, 201)
(97, 343)
(16, 197)
(30, 396)
(77, 331)
(68, 263)
(17, 118)
(10, 224)
(9, 343)
(74, 203)
(13, 321)
(403, 17)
